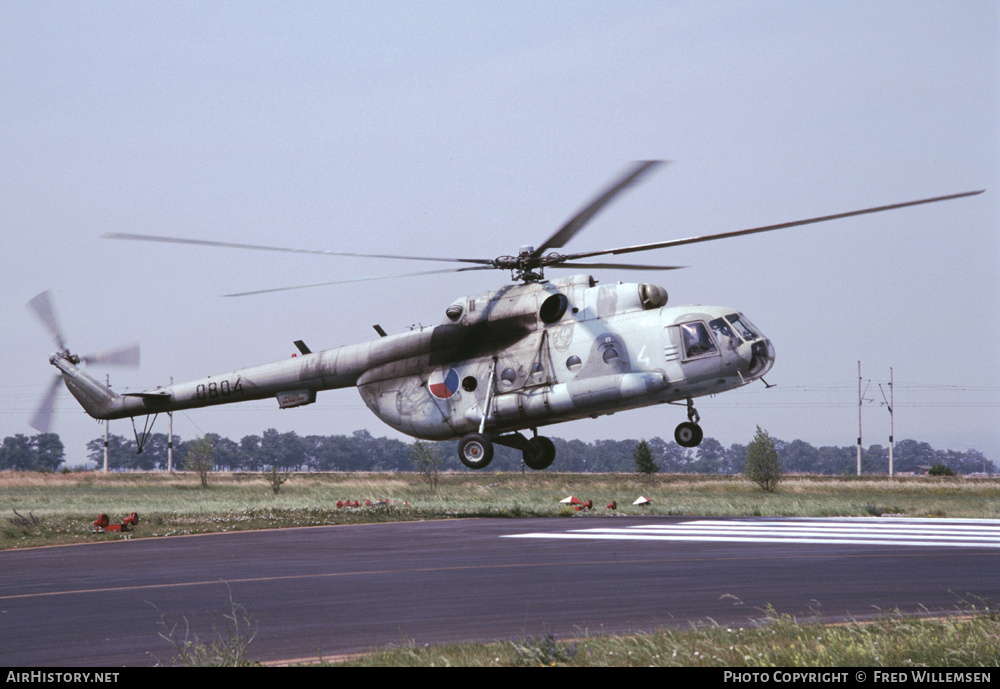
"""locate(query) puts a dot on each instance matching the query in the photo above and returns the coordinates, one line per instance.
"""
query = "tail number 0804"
(219, 389)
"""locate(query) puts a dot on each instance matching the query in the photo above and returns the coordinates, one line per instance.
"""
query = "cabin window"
(574, 363)
(508, 377)
(469, 383)
(697, 341)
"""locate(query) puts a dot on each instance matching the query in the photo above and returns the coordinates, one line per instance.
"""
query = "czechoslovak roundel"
(444, 383)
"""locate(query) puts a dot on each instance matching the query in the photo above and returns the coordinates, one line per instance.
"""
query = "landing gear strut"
(689, 434)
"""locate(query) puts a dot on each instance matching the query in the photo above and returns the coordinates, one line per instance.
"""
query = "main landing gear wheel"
(541, 455)
(475, 450)
(688, 434)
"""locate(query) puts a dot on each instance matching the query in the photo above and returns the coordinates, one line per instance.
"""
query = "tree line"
(361, 451)
(42, 452)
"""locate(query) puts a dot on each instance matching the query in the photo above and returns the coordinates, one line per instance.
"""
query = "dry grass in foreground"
(970, 640)
(49, 509)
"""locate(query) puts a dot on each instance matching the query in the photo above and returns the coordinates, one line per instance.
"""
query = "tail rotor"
(128, 356)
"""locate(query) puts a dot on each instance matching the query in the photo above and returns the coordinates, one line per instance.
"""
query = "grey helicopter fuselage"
(541, 353)
(521, 357)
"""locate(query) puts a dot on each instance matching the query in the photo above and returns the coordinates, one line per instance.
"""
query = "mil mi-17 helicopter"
(531, 354)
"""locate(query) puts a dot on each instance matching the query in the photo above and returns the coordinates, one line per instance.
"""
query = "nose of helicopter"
(758, 357)
(762, 357)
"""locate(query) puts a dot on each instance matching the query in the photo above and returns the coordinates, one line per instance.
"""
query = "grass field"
(48, 509)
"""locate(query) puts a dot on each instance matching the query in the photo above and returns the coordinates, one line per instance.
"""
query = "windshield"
(724, 334)
(743, 327)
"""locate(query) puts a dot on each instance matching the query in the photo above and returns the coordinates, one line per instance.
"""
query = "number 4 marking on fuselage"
(643, 359)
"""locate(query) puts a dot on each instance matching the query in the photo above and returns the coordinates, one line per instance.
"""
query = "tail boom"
(293, 381)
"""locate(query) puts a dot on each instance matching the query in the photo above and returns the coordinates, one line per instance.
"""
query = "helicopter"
(533, 353)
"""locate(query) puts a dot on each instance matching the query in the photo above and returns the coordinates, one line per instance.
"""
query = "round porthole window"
(508, 376)
(574, 363)
(469, 383)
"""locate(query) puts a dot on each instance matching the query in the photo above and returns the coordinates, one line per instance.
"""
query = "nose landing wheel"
(689, 434)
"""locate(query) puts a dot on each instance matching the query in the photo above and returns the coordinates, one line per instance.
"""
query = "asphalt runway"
(346, 589)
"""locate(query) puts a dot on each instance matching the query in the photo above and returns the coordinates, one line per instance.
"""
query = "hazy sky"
(471, 128)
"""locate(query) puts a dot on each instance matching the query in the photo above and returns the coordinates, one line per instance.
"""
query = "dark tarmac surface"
(345, 589)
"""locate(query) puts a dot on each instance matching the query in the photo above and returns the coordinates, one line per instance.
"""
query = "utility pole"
(890, 421)
(888, 403)
(107, 425)
(859, 418)
(170, 437)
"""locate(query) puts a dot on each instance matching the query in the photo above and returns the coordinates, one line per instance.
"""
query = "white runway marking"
(956, 533)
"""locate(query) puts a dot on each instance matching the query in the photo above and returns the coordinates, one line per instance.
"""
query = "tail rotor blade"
(42, 306)
(119, 356)
(42, 419)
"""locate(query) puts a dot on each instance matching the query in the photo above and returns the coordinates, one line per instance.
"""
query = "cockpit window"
(744, 327)
(697, 341)
(724, 334)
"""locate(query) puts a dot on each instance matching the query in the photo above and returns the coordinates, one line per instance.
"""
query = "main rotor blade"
(632, 175)
(364, 279)
(260, 247)
(42, 419)
(119, 356)
(766, 228)
(41, 304)
(614, 266)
